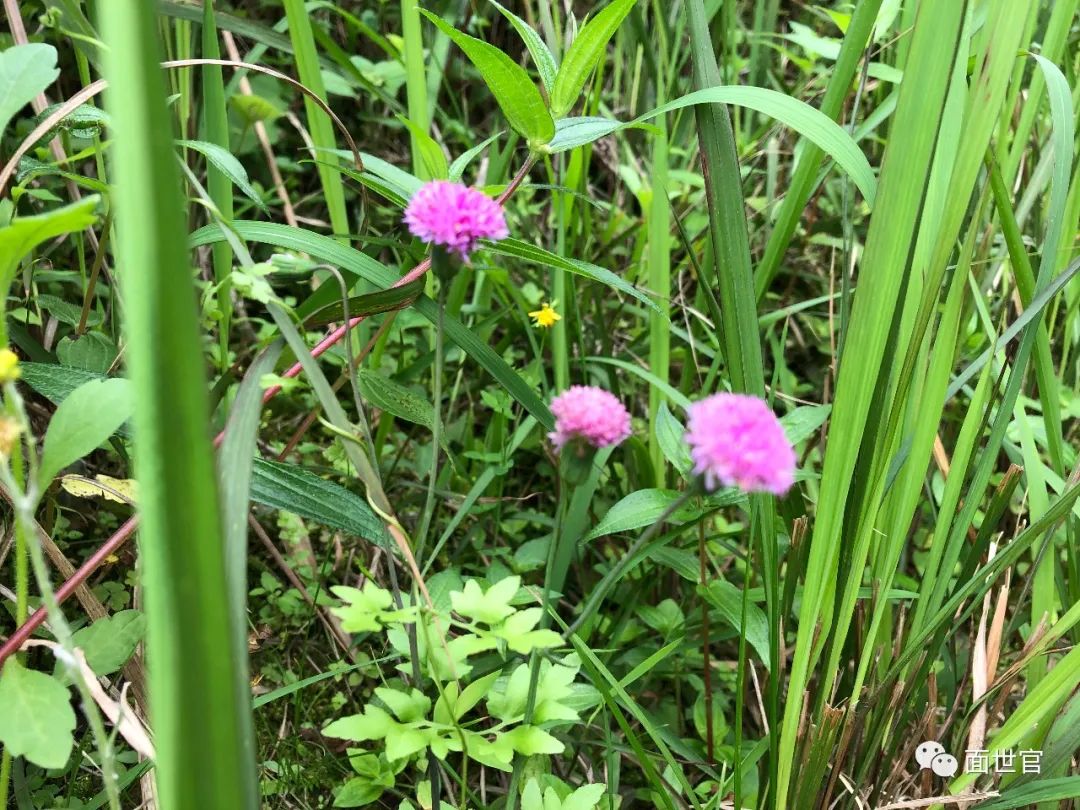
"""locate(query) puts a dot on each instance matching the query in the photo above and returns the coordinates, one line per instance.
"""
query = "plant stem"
(440, 263)
(24, 498)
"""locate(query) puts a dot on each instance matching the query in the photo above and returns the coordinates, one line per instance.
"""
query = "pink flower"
(736, 440)
(589, 413)
(454, 216)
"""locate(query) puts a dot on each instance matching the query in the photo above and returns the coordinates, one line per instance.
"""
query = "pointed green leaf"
(584, 52)
(538, 49)
(85, 419)
(514, 91)
(224, 161)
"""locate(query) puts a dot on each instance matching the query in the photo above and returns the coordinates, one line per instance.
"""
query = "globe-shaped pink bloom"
(454, 216)
(736, 440)
(589, 413)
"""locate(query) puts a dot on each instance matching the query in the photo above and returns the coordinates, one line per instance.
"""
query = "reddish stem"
(22, 633)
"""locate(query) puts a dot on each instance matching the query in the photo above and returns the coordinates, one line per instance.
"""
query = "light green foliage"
(584, 798)
(37, 720)
(108, 643)
(23, 234)
(542, 57)
(85, 419)
(395, 399)
(442, 716)
(25, 71)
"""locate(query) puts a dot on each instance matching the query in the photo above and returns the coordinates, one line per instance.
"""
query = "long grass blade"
(197, 689)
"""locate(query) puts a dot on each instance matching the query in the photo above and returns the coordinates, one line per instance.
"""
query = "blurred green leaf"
(25, 71)
(108, 643)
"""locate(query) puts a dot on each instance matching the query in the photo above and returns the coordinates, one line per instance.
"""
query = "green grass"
(863, 212)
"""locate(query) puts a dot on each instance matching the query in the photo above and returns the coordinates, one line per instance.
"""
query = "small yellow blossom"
(546, 316)
(9, 366)
(9, 434)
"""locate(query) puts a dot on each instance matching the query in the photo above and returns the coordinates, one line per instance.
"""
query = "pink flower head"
(589, 413)
(454, 216)
(736, 440)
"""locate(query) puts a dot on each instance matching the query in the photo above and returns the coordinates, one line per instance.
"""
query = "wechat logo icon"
(931, 755)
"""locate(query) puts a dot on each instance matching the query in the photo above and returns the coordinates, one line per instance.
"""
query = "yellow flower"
(546, 316)
(9, 366)
(9, 434)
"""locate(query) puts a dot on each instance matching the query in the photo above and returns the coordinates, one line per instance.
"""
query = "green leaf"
(431, 154)
(404, 741)
(85, 121)
(728, 600)
(457, 168)
(373, 724)
(362, 265)
(108, 643)
(394, 398)
(358, 792)
(37, 719)
(531, 797)
(195, 676)
(363, 608)
(92, 351)
(84, 420)
(387, 300)
(65, 311)
(406, 707)
(670, 434)
(1044, 790)
(254, 108)
(519, 249)
(530, 741)
(519, 633)
(584, 52)
(473, 694)
(645, 506)
(490, 606)
(496, 753)
(514, 91)
(584, 798)
(803, 422)
(809, 122)
(576, 131)
(26, 233)
(54, 382)
(224, 161)
(25, 71)
(294, 489)
(508, 703)
(538, 49)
